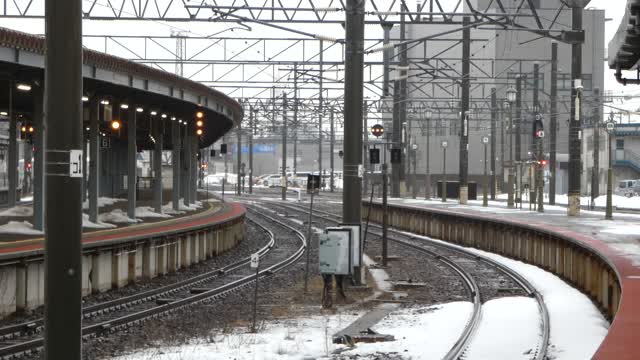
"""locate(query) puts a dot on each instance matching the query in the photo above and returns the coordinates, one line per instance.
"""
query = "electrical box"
(356, 246)
(334, 252)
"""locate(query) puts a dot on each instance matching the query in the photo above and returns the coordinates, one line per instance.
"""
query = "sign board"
(444, 144)
(105, 142)
(485, 140)
(313, 183)
(75, 163)
(360, 170)
(255, 260)
(334, 251)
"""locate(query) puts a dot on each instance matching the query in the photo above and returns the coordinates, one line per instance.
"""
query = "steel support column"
(94, 157)
(553, 123)
(12, 161)
(251, 113)
(157, 164)
(132, 153)
(239, 160)
(175, 163)
(464, 113)
(518, 137)
(63, 222)
(320, 110)
(186, 166)
(595, 173)
(283, 172)
(494, 119)
(333, 139)
(38, 164)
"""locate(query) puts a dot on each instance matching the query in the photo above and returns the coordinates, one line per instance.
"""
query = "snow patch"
(147, 212)
(17, 211)
(117, 216)
(19, 228)
(102, 202)
(91, 225)
(380, 276)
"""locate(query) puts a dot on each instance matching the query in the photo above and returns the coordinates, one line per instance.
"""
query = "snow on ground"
(17, 211)
(91, 225)
(420, 333)
(147, 212)
(102, 202)
(621, 202)
(168, 207)
(380, 276)
(509, 330)
(117, 216)
(20, 228)
(577, 327)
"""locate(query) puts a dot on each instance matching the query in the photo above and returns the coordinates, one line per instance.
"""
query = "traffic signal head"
(374, 156)
(223, 148)
(377, 130)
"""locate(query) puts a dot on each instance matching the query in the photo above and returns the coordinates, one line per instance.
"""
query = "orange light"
(199, 123)
(199, 132)
(115, 124)
(199, 114)
(23, 128)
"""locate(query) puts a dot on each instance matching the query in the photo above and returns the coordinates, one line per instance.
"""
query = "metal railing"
(627, 158)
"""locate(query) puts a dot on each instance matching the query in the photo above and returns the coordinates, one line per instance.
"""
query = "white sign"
(255, 260)
(75, 163)
(360, 170)
(541, 133)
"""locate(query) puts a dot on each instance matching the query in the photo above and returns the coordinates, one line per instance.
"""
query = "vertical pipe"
(157, 163)
(12, 161)
(553, 125)
(251, 149)
(575, 126)
(63, 227)
(175, 162)
(38, 164)
(464, 114)
(353, 108)
(283, 178)
(132, 152)
(494, 119)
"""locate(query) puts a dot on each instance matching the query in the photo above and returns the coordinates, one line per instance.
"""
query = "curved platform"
(599, 257)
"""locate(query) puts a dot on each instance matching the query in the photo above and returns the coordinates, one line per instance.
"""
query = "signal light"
(199, 115)
(377, 130)
(30, 129)
(199, 132)
(543, 162)
(23, 128)
(199, 123)
(115, 124)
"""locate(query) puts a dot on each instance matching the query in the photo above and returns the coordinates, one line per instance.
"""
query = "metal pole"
(485, 198)
(131, 163)
(320, 110)
(385, 213)
(464, 115)
(295, 120)
(157, 164)
(226, 168)
(396, 136)
(175, 162)
(250, 149)
(331, 154)
(427, 153)
(353, 109)
(309, 236)
(511, 179)
(283, 178)
(609, 210)
(63, 205)
(94, 157)
(255, 298)
(502, 147)
(575, 131)
(38, 164)
(553, 125)
(494, 119)
(518, 130)
(444, 175)
(539, 144)
(186, 167)
(12, 161)
(239, 160)
(595, 174)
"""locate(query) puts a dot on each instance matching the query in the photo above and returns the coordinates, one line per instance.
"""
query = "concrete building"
(497, 59)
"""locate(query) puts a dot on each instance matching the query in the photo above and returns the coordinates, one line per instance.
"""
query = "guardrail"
(568, 255)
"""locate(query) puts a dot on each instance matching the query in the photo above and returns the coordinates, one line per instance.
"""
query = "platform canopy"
(624, 48)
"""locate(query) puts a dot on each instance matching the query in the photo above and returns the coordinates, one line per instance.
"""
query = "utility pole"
(518, 121)
(295, 120)
(611, 126)
(444, 145)
(575, 126)
(12, 161)
(251, 129)
(333, 139)
(283, 177)
(511, 97)
(427, 153)
(353, 97)
(399, 107)
(553, 123)
(539, 142)
(595, 173)
(503, 119)
(464, 114)
(63, 204)
(320, 113)
(485, 198)
(494, 119)
(239, 159)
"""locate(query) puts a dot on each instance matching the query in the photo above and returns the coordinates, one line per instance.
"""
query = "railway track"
(25, 338)
(465, 264)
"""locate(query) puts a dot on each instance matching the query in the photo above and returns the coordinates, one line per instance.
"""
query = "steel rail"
(458, 348)
(541, 351)
(26, 347)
